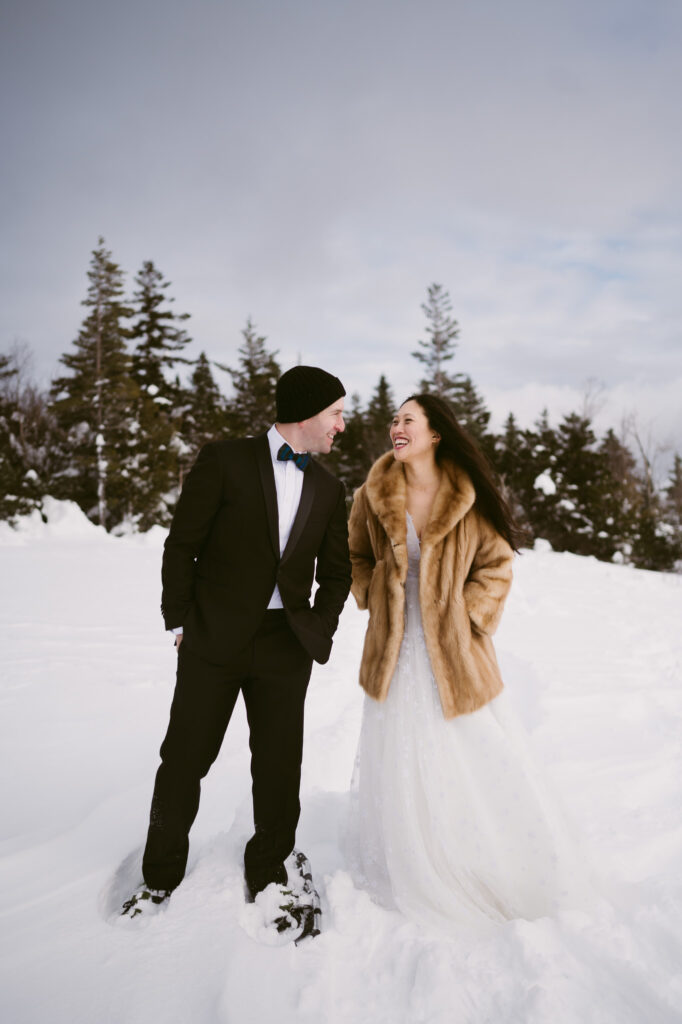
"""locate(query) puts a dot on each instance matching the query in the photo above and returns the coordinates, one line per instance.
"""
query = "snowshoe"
(310, 911)
(289, 912)
(145, 901)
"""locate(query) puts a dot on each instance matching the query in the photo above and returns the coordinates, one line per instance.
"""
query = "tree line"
(122, 422)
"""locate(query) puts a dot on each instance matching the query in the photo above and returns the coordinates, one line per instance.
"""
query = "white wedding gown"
(450, 821)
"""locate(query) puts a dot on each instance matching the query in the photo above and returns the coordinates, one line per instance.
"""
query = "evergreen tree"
(511, 459)
(672, 507)
(621, 501)
(159, 339)
(377, 421)
(252, 409)
(535, 485)
(435, 353)
(566, 488)
(656, 544)
(588, 497)
(152, 465)
(93, 403)
(654, 541)
(583, 483)
(442, 330)
(29, 443)
(509, 453)
(471, 411)
(202, 416)
(673, 492)
(16, 497)
(159, 342)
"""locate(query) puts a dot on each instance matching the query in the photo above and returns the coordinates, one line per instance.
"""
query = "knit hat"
(303, 391)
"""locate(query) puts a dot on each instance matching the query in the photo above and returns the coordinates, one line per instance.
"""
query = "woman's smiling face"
(411, 435)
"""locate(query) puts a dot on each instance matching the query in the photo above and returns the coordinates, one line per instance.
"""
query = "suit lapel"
(267, 477)
(304, 506)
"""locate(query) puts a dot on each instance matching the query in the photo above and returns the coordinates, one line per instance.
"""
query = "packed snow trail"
(592, 656)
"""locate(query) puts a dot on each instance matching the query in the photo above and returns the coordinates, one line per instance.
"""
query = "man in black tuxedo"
(256, 520)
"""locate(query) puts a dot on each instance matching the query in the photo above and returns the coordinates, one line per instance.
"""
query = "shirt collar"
(275, 440)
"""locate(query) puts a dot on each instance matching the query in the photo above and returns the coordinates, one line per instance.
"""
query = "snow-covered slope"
(592, 655)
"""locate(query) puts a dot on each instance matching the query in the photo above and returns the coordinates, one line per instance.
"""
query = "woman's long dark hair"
(458, 445)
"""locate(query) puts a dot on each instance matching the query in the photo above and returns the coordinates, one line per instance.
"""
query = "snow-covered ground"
(592, 655)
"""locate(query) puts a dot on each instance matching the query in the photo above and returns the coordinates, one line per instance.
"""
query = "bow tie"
(300, 458)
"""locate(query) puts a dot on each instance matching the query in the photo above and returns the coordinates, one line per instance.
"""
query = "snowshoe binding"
(290, 912)
(145, 901)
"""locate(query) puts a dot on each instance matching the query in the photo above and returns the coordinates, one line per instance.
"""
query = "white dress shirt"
(288, 485)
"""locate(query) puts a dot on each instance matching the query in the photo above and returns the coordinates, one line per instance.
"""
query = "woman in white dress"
(450, 822)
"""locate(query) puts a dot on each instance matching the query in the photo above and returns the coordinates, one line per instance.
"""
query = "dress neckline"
(414, 528)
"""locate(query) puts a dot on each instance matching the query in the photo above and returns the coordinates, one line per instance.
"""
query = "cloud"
(318, 165)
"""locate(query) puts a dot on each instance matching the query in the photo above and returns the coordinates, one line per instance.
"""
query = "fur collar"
(386, 495)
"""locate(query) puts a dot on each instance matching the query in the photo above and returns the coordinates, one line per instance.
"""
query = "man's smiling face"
(319, 431)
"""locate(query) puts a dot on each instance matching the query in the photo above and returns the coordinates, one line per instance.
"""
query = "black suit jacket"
(221, 558)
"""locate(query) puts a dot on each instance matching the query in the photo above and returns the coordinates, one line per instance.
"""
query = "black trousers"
(272, 672)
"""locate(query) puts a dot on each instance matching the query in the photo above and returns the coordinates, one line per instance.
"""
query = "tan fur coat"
(464, 577)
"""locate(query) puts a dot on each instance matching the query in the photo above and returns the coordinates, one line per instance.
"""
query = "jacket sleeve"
(361, 553)
(332, 571)
(197, 507)
(489, 579)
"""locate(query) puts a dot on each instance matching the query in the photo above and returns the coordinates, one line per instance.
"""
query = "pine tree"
(587, 497)
(152, 464)
(673, 492)
(377, 421)
(30, 453)
(159, 339)
(252, 409)
(159, 344)
(439, 349)
(655, 543)
(471, 411)
(583, 483)
(202, 416)
(15, 496)
(511, 460)
(564, 483)
(621, 501)
(93, 404)
(537, 482)
(435, 353)
(509, 453)
(672, 507)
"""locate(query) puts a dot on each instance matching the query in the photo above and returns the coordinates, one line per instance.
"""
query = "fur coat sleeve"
(361, 553)
(489, 579)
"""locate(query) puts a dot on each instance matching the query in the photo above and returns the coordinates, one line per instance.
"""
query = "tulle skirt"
(451, 821)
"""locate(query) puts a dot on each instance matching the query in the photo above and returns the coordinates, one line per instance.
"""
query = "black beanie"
(303, 391)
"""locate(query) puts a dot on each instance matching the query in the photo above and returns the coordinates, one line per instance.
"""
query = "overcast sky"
(316, 165)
